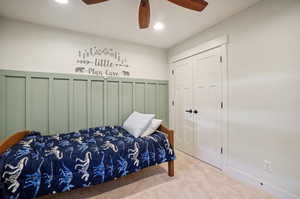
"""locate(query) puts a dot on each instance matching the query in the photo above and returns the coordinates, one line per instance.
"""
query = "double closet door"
(198, 106)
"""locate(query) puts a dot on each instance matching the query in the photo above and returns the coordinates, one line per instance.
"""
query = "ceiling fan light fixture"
(144, 10)
(62, 1)
(159, 26)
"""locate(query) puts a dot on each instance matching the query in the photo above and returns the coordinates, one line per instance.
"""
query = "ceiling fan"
(144, 10)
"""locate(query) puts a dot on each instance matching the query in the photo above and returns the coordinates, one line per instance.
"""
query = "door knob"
(189, 111)
(195, 111)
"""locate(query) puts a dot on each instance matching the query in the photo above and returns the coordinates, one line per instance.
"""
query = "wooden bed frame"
(170, 134)
(12, 140)
(15, 138)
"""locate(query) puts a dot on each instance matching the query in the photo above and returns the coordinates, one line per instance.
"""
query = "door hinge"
(172, 72)
(222, 105)
(173, 103)
(221, 150)
(221, 59)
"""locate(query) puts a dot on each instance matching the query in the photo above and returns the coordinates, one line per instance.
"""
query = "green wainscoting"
(56, 103)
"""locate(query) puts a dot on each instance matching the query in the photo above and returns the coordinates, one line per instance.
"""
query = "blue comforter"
(40, 165)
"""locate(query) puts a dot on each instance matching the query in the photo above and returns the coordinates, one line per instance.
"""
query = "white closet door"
(184, 135)
(207, 97)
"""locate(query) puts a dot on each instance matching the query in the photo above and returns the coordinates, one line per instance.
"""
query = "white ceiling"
(118, 18)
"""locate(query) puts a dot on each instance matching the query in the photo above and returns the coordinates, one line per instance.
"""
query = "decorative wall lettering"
(102, 62)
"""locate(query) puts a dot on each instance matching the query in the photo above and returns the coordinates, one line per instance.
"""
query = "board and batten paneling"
(97, 103)
(15, 103)
(60, 105)
(39, 104)
(57, 103)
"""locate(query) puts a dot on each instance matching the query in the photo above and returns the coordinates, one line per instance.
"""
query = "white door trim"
(218, 42)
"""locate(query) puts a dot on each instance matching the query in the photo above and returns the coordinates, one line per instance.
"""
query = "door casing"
(221, 43)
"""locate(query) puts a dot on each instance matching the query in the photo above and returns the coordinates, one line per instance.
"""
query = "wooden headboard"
(12, 140)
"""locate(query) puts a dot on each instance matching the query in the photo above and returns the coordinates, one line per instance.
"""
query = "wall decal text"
(105, 62)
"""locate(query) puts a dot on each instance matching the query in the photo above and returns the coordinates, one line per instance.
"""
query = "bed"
(32, 165)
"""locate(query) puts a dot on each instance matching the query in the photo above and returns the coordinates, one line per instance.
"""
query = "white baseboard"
(276, 191)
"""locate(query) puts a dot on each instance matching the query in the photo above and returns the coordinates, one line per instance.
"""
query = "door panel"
(183, 101)
(207, 98)
(198, 87)
(188, 120)
(179, 127)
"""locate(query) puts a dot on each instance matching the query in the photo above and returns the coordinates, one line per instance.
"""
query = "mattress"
(40, 165)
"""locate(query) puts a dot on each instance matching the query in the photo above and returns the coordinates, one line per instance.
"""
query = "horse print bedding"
(40, 165)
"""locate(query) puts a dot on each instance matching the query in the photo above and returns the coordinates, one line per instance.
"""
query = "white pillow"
(137, 123)
(152, 127)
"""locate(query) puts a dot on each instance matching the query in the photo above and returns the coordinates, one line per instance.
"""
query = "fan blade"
(197, 5)
(144, 14)
(93, 1)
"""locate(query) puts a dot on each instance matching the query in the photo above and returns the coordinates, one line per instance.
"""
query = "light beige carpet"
(193, 180)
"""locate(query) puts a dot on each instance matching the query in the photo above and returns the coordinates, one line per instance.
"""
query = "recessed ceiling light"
(62, 1)
(159, 26)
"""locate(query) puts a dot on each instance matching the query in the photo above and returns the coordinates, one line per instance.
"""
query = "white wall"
(29, 47)
(264, 91)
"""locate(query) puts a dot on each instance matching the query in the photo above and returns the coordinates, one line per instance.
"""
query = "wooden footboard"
(12, 140)
(170, 134)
